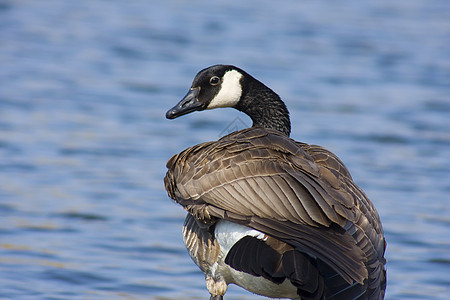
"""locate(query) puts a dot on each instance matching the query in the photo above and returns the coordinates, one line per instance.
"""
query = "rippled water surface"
(84, 86)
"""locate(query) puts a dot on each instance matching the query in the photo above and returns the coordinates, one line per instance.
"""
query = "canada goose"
(277, 217)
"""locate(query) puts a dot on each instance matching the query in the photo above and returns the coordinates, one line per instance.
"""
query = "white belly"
(227, 234)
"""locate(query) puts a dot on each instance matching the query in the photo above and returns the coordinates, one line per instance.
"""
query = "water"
(84, 86)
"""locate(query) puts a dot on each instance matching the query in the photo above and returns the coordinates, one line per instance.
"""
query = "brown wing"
(295, 192)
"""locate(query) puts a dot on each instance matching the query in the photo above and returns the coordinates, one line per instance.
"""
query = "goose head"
(228, 86)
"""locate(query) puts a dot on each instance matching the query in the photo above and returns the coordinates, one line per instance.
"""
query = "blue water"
(84, 87)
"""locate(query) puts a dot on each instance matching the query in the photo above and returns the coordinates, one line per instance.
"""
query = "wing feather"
(301, 194)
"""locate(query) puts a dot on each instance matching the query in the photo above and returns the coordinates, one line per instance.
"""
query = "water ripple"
(84, 87)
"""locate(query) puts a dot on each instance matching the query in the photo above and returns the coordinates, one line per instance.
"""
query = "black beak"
(187, 105)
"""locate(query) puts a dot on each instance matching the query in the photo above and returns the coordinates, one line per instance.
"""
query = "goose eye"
(214, 80)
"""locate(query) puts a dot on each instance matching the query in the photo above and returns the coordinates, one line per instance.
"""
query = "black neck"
(265, 108)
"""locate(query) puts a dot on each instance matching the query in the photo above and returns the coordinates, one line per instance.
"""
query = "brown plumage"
(322, 235)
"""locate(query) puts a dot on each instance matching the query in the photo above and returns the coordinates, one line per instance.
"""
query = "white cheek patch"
(230, 91)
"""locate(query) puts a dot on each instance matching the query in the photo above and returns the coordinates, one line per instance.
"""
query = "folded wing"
(297, 193)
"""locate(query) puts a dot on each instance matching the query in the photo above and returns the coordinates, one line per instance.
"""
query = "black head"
(216, 86)
(229, 86)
